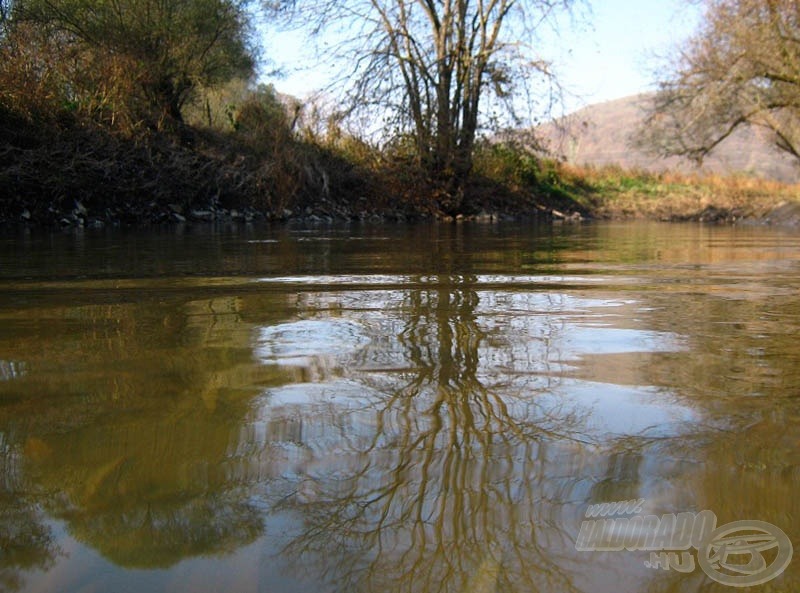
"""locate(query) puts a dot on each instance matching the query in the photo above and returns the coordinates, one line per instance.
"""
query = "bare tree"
(435, 65)
(741, 68)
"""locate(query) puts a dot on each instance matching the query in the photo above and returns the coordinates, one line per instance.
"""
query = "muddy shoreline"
(85, 177)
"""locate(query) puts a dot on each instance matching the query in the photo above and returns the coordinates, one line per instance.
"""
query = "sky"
(610, 53)
(617, 55)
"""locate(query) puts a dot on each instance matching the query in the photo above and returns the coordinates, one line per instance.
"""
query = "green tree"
(741, 68)
(436, 66)
(170, 47)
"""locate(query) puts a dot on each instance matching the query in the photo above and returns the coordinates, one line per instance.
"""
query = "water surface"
(409, 408)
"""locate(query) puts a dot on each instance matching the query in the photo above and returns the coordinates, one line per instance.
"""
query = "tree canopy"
(438, 67)
(168, 47)
(742, 67)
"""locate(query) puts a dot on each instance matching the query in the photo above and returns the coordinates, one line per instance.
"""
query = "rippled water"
(427, 408)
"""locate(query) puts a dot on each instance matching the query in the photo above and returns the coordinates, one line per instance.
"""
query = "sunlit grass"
(613, 192)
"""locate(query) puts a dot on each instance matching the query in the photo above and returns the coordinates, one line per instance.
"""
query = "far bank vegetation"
(147, 111)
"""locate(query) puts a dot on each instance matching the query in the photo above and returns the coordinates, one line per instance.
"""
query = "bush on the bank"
(262, 121)
(514, 165)
(157, 52)
(33, 73)
(47, 76)
(520, 169)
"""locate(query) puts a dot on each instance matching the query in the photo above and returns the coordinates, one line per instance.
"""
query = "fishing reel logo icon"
(734, 553)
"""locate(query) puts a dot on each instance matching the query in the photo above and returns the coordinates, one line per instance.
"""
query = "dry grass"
(620, 194)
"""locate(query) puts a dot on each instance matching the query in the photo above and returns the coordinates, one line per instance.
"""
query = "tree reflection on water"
(26, 542)
(129, 448)
(408, 433)
(443, 482)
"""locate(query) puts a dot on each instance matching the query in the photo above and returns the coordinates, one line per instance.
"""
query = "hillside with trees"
(738, 71)
(608, 134)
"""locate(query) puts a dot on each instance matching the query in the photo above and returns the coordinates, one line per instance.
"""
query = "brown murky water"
(382, 409)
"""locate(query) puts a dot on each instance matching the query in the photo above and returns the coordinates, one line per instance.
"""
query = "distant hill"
(600, 135)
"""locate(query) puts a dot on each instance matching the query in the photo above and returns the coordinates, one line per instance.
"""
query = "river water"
(394, 408)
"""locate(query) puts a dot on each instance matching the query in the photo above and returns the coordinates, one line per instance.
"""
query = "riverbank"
(73, 174)
(614, 194)
(60, 174)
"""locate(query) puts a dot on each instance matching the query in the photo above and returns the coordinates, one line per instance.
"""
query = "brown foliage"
(46, 75)
(740, 69)
(31, 72)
